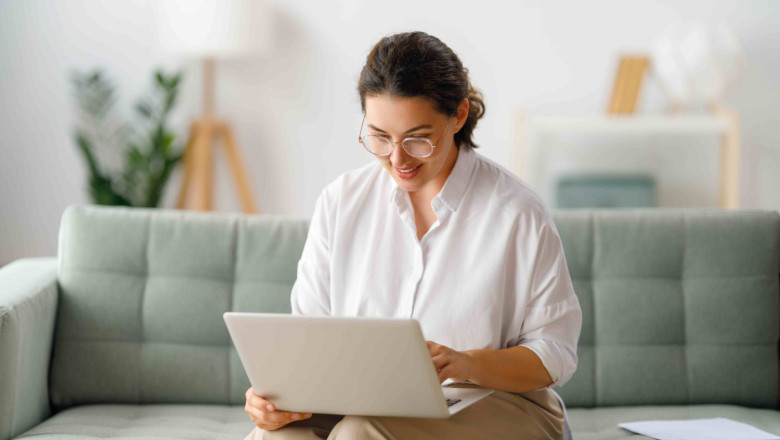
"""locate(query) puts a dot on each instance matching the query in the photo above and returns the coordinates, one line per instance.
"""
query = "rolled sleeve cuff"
(553, 358)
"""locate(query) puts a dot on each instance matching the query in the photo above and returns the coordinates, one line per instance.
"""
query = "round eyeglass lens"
(418, 147)
(378, 145)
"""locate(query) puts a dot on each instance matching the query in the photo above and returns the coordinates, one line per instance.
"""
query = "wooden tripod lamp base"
(199, 170)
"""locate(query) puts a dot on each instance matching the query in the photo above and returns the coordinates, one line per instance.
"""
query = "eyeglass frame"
(393, 144)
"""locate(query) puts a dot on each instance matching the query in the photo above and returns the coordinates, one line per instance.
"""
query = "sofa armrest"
(28, 306)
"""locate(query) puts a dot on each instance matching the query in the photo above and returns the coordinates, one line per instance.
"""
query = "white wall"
(296, 112)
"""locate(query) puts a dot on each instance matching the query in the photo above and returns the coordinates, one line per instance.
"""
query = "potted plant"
(147, 147)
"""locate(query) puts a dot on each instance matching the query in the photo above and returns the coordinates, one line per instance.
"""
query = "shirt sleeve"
(311, 291)
(553, 319)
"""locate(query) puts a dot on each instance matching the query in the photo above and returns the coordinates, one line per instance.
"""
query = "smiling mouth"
(408, 173)
(408, 170)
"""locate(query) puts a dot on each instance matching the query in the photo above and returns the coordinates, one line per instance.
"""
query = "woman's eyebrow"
(407, 131)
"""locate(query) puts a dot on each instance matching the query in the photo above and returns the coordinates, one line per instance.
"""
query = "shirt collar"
(455, 186)
(458, 180)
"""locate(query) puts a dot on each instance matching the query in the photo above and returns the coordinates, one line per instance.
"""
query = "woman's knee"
(359, 427)
(287, 433)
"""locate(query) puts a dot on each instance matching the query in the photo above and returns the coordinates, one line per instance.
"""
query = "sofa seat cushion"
(602, 423)
(221, 422)
(151, 421)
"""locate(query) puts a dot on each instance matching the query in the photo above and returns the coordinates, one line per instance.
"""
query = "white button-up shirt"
(489, 274)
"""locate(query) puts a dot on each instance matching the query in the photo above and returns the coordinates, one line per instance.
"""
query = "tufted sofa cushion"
(142, 293)
(679, 306)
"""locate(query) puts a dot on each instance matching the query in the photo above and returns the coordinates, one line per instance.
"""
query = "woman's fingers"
(440, 361)
(264, 414)
(256, 415)
(258, 402)
(255, 400)
(442, 365)
(284, 417)
(451, 366)
(434, 348)
(273, 419)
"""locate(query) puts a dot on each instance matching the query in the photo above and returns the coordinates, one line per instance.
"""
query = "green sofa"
(121, 335)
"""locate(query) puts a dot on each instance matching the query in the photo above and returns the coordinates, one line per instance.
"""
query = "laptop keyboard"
(451, 402)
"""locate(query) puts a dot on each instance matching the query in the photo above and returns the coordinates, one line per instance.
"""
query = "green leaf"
(85, 145)
(144, 109)
(166, 144)
(95, 77)
(169, 101)
(137, 158)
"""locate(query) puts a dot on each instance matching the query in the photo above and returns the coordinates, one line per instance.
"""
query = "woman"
(436, 232)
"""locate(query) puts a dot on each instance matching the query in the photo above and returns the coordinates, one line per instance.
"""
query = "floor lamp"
(205, 133)
(209, 30)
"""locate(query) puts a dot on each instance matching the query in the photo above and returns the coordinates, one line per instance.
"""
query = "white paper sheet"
(698, 429)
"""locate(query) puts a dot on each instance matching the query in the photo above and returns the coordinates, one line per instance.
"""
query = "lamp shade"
(212, 28)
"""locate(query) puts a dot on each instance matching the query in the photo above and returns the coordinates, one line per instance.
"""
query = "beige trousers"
(502, 415)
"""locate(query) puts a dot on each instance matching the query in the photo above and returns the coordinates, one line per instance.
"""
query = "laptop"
(345, 365)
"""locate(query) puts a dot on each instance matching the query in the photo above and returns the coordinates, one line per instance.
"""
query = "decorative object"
(696, 63)
(628, 83)
(211, 30)
(605, 190)
(148, 148)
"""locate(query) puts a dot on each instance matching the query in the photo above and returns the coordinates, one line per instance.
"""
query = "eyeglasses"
(416, 146)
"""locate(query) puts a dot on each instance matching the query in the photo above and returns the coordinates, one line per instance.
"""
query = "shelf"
(660, 124)
(721, 122)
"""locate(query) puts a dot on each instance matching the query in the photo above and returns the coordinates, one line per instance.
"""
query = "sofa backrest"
(679, 306)
(142, 293)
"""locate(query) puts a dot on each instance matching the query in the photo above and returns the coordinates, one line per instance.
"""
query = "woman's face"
(397, 118)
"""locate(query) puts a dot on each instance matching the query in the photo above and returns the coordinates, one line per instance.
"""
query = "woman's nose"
(398, 156)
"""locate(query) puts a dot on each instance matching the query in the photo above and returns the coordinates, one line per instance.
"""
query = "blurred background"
(595, 104)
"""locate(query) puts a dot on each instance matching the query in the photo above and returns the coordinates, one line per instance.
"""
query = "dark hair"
(415, 64)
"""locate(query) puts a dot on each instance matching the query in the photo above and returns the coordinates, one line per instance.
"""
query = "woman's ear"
(462, 114)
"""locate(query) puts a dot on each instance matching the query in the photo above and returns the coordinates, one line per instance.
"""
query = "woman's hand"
(455, 365)
(263, 414)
